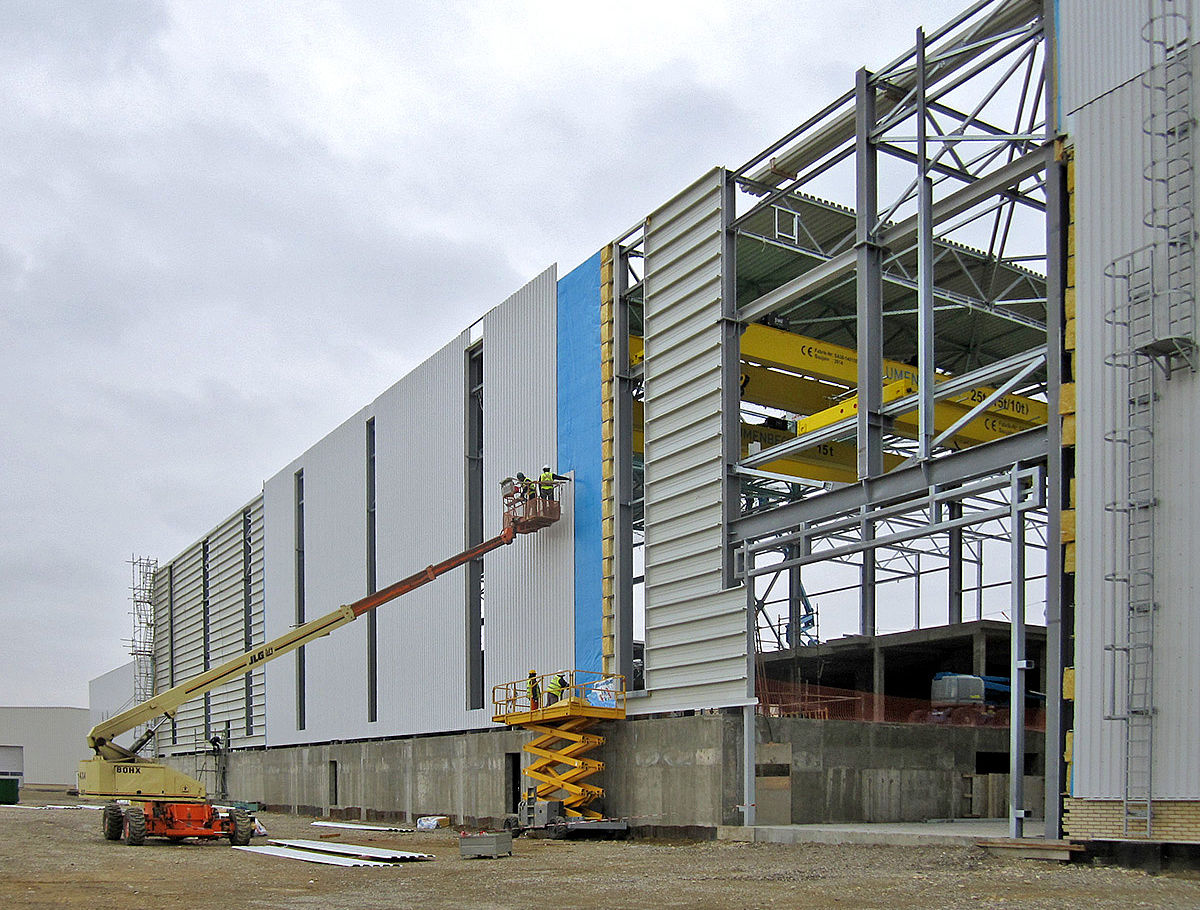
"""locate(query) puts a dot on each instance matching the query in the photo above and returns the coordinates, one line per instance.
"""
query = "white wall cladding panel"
(699, 357)
(257, 685)
(1108, 211)
(681, 594)
(528, 625)
(334, 573)
(226, 561)
(695, 631)
(420, 439)
(684, 410)
(226, 576)
(679, 679)
(1099, 47)
(420, 432)
(162, 629)
(681, 636)
(189, 641)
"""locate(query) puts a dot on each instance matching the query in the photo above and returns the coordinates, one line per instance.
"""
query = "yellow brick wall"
(1177, 821)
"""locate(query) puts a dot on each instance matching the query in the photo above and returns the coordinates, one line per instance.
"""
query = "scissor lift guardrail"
(559, 749)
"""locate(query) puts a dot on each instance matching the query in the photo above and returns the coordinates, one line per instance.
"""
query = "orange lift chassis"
(168, 803)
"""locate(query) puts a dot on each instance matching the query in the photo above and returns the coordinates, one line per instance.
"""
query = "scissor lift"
(558, 798)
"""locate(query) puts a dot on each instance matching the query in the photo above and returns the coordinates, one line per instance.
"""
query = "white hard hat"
(545, 467)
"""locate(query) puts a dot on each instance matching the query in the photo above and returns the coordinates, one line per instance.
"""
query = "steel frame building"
(991, 347)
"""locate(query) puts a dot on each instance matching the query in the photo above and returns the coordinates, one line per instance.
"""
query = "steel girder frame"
(862, 123)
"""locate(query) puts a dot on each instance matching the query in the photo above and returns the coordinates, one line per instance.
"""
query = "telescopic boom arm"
(166, 703)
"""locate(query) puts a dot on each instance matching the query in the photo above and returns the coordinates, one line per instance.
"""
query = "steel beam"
(903, 483)
(898, 235)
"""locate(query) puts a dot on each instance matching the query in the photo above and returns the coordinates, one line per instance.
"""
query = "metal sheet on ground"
(379, 853)
(360, 827)
(310, 857)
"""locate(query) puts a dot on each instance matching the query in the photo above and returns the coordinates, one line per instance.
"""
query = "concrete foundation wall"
(842, 771)
(674, 771)
(660, 772)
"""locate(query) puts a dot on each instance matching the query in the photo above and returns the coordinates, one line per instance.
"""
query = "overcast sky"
(227, 226)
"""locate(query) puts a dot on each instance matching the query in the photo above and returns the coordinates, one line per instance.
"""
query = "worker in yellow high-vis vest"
(546, 482)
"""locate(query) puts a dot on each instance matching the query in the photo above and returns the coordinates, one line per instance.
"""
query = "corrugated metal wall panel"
(1108, 211)
(1099, 48)
(529, 626)
(189, 640)
(162, 628)
(256, 736)
(226, 562)
(226, 622)
(695, 631)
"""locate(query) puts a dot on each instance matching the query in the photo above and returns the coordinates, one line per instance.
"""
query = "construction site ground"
(58, 858)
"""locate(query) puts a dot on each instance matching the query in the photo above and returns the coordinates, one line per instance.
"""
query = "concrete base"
(667, 775)
(956, 833)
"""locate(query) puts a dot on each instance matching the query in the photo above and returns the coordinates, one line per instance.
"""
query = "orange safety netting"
(783, 699)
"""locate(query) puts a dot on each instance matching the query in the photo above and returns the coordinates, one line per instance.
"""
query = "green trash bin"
(9, 791)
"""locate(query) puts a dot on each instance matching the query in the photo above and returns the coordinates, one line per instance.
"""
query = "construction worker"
(546, 482)
(525, 487)
(555, 689)
(534, 690)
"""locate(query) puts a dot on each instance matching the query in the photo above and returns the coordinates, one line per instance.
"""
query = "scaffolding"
(141, 645)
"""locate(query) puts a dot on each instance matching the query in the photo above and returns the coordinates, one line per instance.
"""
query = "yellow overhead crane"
(803, 375)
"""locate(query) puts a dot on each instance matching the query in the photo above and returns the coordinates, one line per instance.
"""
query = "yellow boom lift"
(168, 803)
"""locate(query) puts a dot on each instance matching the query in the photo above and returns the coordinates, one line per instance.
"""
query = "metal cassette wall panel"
(1108, 214)
(695, 630)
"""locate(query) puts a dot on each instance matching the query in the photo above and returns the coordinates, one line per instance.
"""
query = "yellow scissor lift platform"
(562, 741)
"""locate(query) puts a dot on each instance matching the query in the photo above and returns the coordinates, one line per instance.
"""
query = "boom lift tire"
(135, 826)
(241, 828)
(558, 828)
(113, 820)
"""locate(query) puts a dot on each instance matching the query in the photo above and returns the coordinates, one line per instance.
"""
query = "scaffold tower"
(141, 645)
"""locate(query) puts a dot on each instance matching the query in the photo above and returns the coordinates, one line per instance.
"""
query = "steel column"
(622, 473)
(1059, 623)
(731, 374)
(869, 282)
(955, 574)
(749, 751)
(1016, 704)
(925, 352)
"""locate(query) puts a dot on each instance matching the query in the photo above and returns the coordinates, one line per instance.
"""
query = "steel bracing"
(944, 263)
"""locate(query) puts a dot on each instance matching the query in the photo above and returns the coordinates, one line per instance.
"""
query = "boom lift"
(168, 803)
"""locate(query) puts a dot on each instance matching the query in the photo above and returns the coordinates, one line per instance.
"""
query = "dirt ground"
(58, 858)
